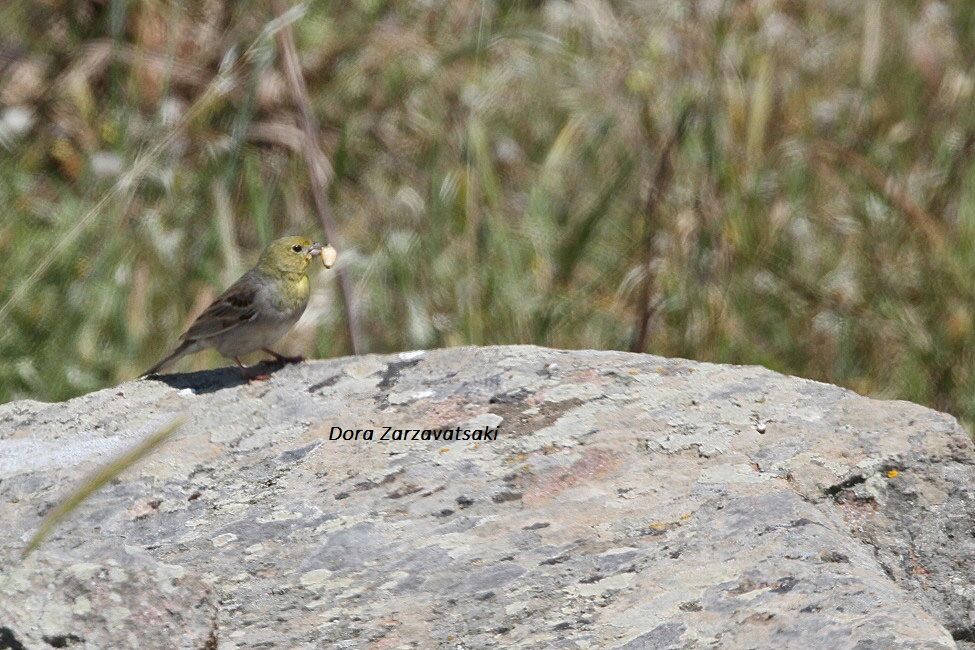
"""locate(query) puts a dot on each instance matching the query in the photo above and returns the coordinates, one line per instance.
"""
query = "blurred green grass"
(781, 183)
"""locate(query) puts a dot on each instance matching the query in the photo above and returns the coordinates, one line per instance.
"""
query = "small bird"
(259, 308)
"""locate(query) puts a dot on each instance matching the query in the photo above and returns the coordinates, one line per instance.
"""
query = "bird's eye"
(296, 248)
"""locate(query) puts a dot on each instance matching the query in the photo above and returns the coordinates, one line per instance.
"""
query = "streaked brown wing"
(233, 307)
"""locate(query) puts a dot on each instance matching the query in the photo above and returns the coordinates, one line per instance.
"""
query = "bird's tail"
(183, 348)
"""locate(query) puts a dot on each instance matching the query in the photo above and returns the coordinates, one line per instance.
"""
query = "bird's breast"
(293, 296)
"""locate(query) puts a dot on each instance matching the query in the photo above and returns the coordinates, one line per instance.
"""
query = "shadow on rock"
(210, 381)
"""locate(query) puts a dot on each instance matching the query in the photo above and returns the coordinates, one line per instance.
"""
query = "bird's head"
(289, 255)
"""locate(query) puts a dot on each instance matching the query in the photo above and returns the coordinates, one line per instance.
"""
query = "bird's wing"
(234, 307)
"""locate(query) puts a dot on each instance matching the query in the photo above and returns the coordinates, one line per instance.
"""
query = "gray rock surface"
(629, 501)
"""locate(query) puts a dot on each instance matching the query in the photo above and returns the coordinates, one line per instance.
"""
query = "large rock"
(628, 501)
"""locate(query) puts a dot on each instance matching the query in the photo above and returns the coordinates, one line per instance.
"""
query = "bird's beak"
(316, 249)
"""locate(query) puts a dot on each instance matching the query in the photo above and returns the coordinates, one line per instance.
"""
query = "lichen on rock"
(628, 501)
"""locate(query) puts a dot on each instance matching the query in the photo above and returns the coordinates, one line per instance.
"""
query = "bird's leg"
(250, 374)
(283, 360)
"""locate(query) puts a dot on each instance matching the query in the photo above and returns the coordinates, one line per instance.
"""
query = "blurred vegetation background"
(768, 181)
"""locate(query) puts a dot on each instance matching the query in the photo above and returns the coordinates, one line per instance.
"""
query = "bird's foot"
(283, 360)
(251, 374)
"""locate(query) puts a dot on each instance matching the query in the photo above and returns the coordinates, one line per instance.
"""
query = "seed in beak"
(329, 255)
